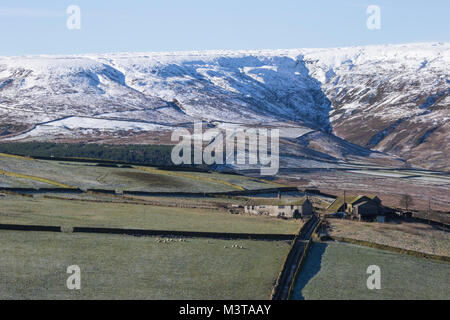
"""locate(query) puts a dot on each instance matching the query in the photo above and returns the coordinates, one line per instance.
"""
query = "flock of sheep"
(235, 246)
(159, 240)
(170, 240)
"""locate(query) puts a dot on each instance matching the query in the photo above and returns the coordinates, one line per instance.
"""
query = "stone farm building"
(279, 208)
(366, 208)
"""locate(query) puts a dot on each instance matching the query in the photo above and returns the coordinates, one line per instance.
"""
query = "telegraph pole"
(429, 210)
(345, 203)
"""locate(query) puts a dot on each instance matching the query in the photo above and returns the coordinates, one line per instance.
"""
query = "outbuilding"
(301, 208)
(361, 207)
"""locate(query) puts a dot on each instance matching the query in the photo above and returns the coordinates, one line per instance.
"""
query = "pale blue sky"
(38, 27)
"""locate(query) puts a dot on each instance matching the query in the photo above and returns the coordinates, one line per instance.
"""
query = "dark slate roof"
(334, 207)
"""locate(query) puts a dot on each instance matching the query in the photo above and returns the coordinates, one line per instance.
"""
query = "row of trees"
(141, 154)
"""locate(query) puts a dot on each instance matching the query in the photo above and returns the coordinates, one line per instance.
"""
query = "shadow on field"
(310, 268)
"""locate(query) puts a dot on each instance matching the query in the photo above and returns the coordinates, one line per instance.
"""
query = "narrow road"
(281, 290)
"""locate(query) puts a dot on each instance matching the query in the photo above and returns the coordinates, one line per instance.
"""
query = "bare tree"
(406, 201)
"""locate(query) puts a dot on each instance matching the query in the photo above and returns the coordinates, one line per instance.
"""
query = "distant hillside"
(393, 98)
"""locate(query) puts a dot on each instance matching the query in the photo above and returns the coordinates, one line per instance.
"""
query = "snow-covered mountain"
(392, 98)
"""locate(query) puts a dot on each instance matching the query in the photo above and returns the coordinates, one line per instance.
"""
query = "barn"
(301, 208)
(361, 207)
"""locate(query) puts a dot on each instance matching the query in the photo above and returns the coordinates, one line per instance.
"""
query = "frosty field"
(89, 175)
(418, 237)
(34, 264)
(338, 271)
(74, 213)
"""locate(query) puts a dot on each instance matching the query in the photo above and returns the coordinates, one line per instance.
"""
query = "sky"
(40, 27)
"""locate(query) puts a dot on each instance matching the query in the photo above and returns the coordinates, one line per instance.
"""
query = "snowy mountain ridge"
(391, 98)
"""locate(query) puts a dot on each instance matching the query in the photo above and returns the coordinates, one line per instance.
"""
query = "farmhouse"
(367, 208)
(301, 208)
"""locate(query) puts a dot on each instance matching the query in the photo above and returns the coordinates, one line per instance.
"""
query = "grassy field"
(338, 271)
(33, 266)
(240, 180)
(194, 201)
(43, 173)
(406, 235)
(33, 178)
(41, 211)
(13, 182)
(218, 201)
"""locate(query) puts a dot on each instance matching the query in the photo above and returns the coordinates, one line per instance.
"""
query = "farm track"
(287, 275)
